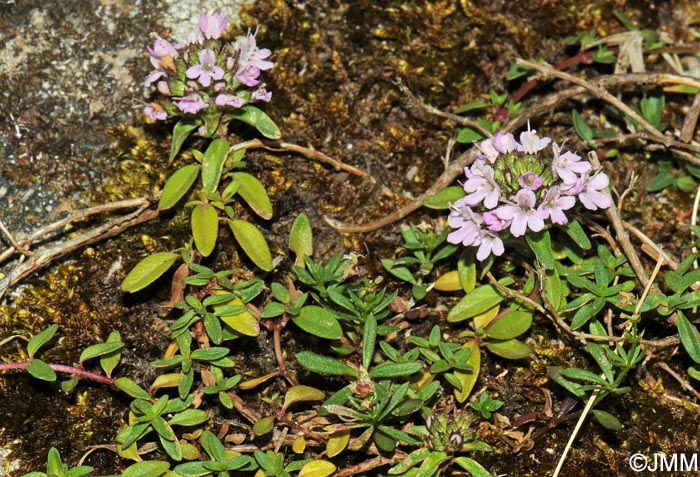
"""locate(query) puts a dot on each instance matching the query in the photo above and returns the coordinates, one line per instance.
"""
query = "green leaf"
(607, 420)
(213, 163)
(254, 193)
(582, 129)
(509, 349)
(516, 71)
(472, 466)
(177, 185)
(110, 361)
(369, 341)
(402, 273)
(689, 337)
(301, 239)
(40, 370)
(324, 365)
(413, 459)
(40, 340)
(301, 393)
(471, 106)
(475, 302)
(468, 135)
(582, 375)
(181, 132)
(243, 322)
(252, 242)
(443, 199)
(147, 468)
(189, 417)
(586, 312)
(510, 325)
(255, 117)
(131, 388)
(100, 349)
(660, 181)
(466, 267)
(541, 244)
(264, 425)
(148, 270)
(574, 230)
(394, 370)
(318, 321)
(205, 228)
(467, 379)
(317, 468)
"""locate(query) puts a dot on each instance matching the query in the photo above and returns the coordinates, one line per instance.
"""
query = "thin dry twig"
(13, 241)
(683, 382)
(691, 120)
(48, 254)
(309, 152)
(621, 233)
(46, 232)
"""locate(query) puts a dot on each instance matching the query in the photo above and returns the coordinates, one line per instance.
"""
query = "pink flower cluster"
(513, 187)
(206, 72)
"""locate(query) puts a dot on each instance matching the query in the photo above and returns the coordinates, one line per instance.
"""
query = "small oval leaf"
(40, 370)
(448, 281)
(509, 349)
(468, 378)
(318, 321)
(213, 163)
(252, 242)
(338, 442)
(177, 185)
(510, 325)
(131, 388)
(301, 239)
(148, 468)
(254, 193)
(255, 117)
(302, 393)
(475, 302)
(40, 340)
(148, 270)
(100, 349)
(317, 468)
(324, 365)
(243, 322)
(444, 198)
(205, 228)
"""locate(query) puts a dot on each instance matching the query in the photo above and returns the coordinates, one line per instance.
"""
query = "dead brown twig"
(47, 254)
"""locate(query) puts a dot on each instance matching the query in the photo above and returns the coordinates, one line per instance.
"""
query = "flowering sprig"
(209, 81)
(514, 187)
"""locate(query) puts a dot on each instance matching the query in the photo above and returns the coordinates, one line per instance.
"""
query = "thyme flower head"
(513, 187)
(207, 76)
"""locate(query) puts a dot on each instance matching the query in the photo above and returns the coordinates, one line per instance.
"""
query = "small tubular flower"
(592, 196)
(481, 186)
(207, 69)
(191, 104)
(522, 214)
(531, 143)
(567, 166)
(213, 26)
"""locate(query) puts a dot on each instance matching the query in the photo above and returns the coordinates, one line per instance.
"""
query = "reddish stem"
(61, 368)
